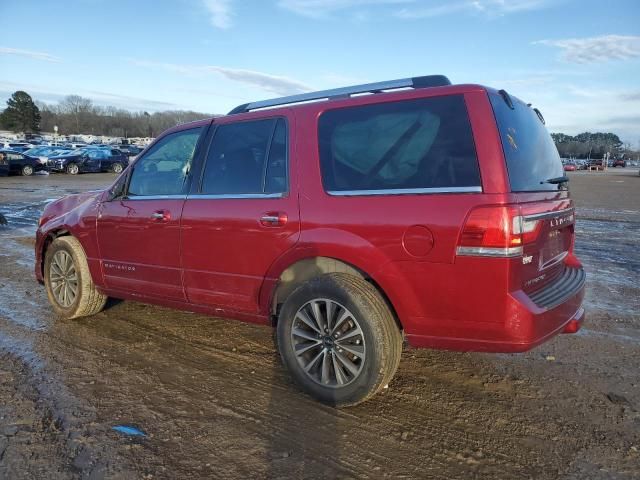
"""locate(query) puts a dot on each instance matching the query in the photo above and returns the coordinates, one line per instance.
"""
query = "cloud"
(596, 49)
(30, 54)
(630, 96)
(272, 83)
(489, 8)
(220, 13)
(323, 8)
(45, 93)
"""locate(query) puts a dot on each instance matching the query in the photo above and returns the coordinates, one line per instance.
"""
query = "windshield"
(532, 157)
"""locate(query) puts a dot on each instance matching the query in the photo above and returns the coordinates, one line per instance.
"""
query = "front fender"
(75, 215)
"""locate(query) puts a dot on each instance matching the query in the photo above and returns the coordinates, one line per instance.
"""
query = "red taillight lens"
(497, 231)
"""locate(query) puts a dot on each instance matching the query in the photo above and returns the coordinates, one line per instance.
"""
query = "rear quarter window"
(531, 156)
(409, 145)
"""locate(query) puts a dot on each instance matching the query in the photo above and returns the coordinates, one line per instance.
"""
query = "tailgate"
(543, 255)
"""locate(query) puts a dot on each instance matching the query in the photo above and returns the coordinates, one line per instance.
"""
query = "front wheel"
(338, 339)
(68, 282)
(27, 170)
(117, 168)
(73, 169)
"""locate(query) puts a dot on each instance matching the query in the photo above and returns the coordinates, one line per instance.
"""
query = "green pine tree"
(21, 114)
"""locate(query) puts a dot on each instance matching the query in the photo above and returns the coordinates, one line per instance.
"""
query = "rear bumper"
(526, 324)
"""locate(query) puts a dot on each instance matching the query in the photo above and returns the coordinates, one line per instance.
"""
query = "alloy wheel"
(328, 343)
(63, 279)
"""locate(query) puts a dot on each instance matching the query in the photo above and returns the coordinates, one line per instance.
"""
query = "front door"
(242, 217)
(139, 231)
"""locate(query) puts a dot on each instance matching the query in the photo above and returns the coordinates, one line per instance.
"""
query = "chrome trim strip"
(404, 191)
(156, 197)
(539, 216)
(204, 196)
(506, 252)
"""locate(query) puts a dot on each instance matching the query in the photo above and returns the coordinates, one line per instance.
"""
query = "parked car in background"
(619, 163)
(4, 164)
(21, 164)
(438, 214)
(16, 146)
(89, 160)
(130, 150)
(42, 153)
(570, 167)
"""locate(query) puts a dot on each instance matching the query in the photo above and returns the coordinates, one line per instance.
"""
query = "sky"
(578, 61)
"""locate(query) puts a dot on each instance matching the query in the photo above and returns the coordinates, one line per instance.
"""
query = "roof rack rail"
(414, 82)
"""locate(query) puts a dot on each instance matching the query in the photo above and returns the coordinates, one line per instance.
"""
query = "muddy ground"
(213, 401)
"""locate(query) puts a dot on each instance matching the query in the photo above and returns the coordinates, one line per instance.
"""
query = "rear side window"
(247, 158)
(409, 145)
(532, 157)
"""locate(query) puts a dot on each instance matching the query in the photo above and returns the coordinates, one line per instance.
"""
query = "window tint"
(163, 169)
(240, 160)
(531, 155)
(276, 176)
(425, 143)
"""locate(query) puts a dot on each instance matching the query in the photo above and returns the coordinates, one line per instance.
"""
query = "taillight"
(496, 231)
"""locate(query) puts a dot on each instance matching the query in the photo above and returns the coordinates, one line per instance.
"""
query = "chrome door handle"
(274, 219)
(161, 215)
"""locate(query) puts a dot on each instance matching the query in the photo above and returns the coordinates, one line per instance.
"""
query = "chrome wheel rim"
(73, 169)
(117, 168)
(27, 170)
(63, 279)
(328, 343)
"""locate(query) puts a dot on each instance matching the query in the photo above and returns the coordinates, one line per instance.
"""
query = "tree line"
(79, 115)
(591, 145)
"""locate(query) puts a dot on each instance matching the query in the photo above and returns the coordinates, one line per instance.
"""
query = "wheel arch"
(304, 269)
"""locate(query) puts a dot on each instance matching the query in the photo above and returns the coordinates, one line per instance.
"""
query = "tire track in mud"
(214, 401)
(235, 374)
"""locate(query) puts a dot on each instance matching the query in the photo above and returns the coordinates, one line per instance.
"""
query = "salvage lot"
(213, 400)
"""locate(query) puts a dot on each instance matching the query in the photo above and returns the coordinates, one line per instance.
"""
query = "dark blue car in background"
(89, 160)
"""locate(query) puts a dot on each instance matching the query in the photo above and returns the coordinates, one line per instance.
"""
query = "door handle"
(161, 216)
(274, 219)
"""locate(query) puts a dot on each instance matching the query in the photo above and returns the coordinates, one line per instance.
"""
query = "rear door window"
(408, 145)
(532, 157)
(247, 158)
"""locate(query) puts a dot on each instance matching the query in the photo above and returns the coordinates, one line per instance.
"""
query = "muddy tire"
(27, 171)
(338, 339)
(72, 169)
(68, 282)
(117, 167)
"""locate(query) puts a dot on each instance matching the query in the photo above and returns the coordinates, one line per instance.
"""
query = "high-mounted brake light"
(496, 231)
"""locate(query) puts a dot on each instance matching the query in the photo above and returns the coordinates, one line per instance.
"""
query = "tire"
(87, 300)
(378, 345)
(117, 167)
(72, 169)
(27, 171)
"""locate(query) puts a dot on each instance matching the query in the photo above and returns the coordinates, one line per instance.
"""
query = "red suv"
(350, 219)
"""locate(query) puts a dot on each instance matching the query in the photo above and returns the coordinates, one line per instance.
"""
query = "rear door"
(139, 231)
(535, 176)
(242, 217)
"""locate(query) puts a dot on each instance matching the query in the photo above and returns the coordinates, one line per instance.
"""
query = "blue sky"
(578, 61)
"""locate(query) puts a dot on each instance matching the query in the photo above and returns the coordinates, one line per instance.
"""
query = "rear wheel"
(338, 339)
(72, 169)
(68, 282)
(117, 168)
(27, 170)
